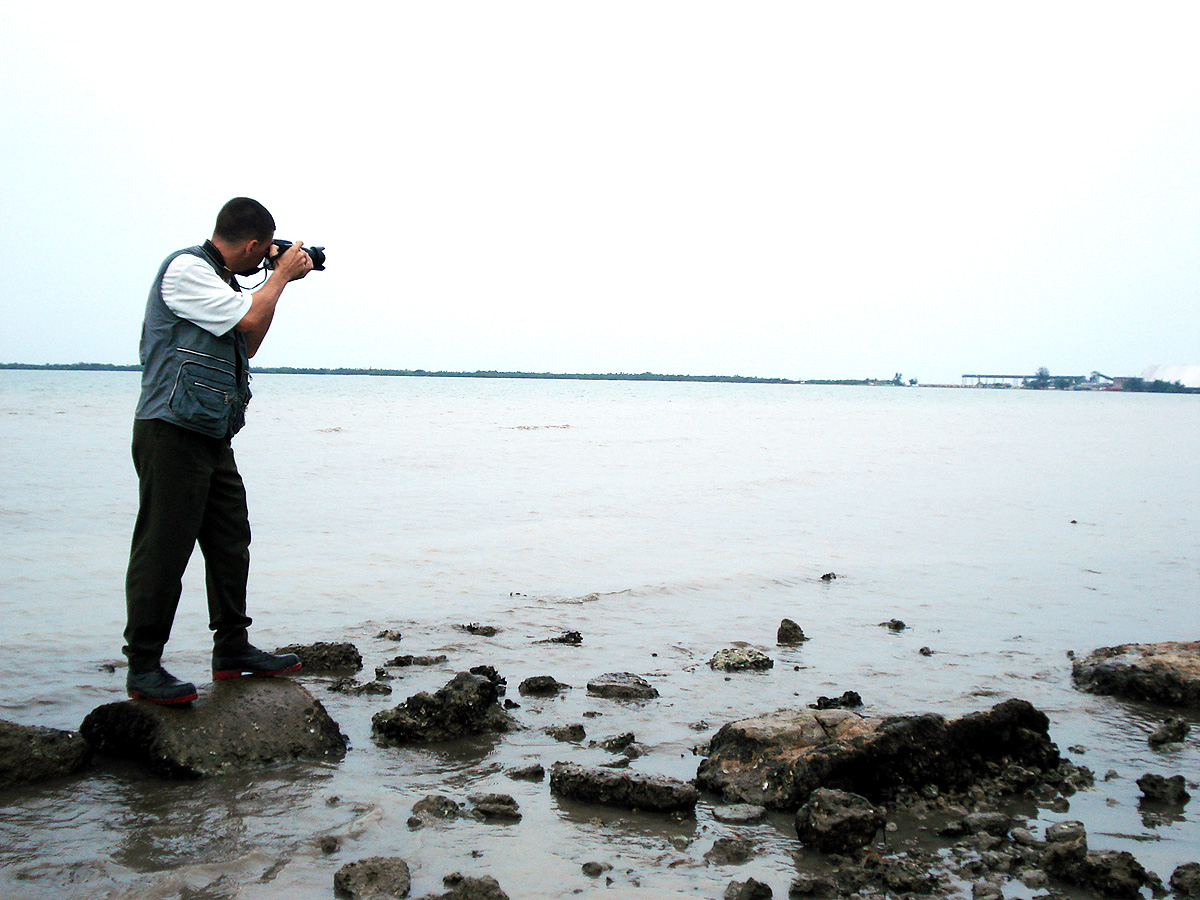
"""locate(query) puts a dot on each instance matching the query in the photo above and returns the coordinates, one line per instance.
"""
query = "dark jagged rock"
(390, 634)
(1172, 731)
(1185, 880)
(490, 673)
(466, 705)
(238, 725)
(495, 807)
(599, 785)
(324, 657)
(574, 638)
(350, 686)
(789, 633)
(1108, 873)
(574, 733)
(739, 659)
(374, 878)
(479, 630)
(778, 760)
(730, 851)
(848, 700)
(407, 659)
(616, 743)
(750, 889)
(810, 885)
(531, 772)
(834, 821)
(464, 887)
(1162, 789)
(33, 753)
(1167, 673)
(541, 686)
(434, 808)
(622, 686)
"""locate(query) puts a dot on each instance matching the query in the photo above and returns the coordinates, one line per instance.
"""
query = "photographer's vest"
(190, 377)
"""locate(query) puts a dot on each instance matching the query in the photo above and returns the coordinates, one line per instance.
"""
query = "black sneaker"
(159, 686)
(254, 662)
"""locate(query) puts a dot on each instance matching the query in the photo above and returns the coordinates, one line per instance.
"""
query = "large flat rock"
(236, 725)
(778, 760)
(1167, 673)
(619, 788)
(32, 753)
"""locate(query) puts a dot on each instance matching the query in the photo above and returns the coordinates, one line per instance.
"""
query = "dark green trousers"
(189, 493)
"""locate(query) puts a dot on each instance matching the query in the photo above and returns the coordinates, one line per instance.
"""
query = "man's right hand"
(293, 263)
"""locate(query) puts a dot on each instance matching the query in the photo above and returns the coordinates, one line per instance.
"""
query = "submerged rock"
(750, 889)
(464, 887)
(1162, 789)
(739, 659)
(789, 633)
(434, 808)
(778, 760)
(466, 705)
(1167, 673)
(541, 686)
(495, 807)
(574, 732)
(531, 772)
(848, 700)
(574, 638)
(408, 659)
(241, 724)
(622, 686)
(1185, 880)
(739, 813)
(1173, 730)
(479, 630)
(834, 821)
(730, 851)
(325, 657)
(374, 878)
(33, 753)
(599, 785)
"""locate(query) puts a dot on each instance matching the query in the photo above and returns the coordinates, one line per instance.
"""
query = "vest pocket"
(204, 397)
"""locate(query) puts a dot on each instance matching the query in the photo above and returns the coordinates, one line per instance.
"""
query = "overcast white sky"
(805, 190)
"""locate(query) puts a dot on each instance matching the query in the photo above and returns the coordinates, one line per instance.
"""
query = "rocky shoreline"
(846, 778)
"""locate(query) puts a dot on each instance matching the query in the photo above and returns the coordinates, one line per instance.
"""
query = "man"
(198, 335)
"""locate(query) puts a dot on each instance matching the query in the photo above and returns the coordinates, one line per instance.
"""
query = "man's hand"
(293, 263)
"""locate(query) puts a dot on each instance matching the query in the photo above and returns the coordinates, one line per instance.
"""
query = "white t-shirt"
(194, 291)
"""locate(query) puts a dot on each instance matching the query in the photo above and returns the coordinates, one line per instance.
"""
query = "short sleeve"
(193, 291)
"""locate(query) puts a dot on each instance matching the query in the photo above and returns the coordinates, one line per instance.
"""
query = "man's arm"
(290, 265)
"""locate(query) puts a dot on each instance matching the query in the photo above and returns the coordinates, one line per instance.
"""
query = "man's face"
(251, 256)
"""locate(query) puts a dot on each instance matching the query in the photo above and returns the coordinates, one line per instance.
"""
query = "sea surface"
(662, 521)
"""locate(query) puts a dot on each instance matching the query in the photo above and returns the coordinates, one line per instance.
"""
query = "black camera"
(316, 254)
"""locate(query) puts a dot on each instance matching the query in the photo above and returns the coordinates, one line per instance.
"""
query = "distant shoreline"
(1155, 387)
(423, 373)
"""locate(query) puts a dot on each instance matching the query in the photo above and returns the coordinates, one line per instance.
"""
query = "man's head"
(243, 233)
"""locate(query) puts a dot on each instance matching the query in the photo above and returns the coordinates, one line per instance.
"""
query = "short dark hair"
(243, 219)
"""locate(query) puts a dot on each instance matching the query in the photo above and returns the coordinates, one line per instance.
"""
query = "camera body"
(316, 254)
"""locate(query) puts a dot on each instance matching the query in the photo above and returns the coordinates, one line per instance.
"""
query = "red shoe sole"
(226, 674)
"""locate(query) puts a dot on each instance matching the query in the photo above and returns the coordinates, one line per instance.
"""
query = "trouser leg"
(225, 542)
(173, 480)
